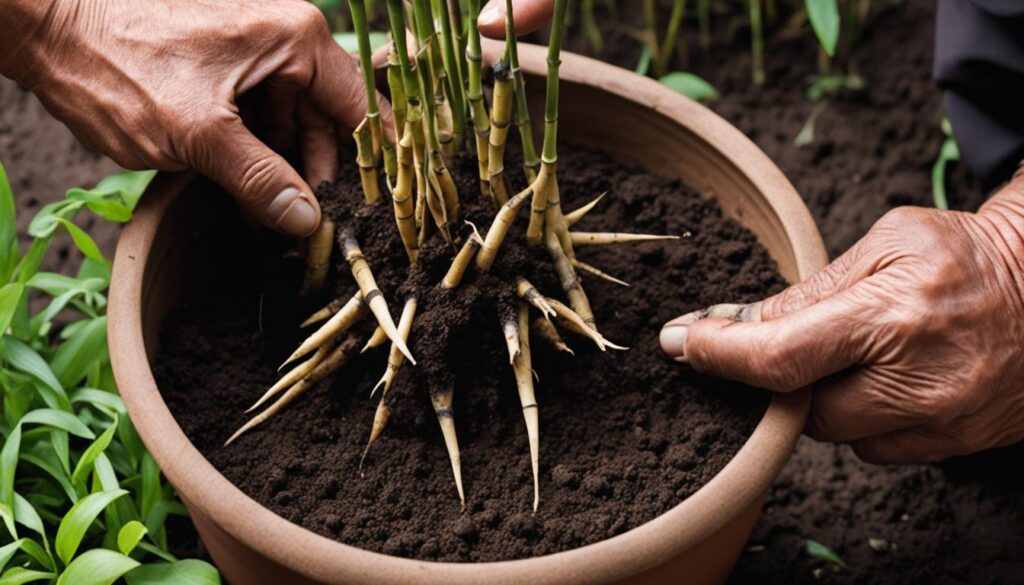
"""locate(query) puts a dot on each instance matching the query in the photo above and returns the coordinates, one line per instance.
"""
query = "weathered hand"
(913, 340)
(156, 84)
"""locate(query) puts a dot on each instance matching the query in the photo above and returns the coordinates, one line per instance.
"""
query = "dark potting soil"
(624, 435)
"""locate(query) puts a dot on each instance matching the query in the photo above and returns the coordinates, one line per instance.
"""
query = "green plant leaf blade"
(18, 575)
(85, 463)
(690, 85)
(10, 296)
(58, 419)
(193, 572)
(76, 355)
(8, 226)
(77, 521)
(97, 567)
(824, 17)
(819, 551)
(114, 198)
(129, 536)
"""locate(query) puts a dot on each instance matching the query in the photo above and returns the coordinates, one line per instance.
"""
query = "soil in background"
(624, 435)
(958, 521)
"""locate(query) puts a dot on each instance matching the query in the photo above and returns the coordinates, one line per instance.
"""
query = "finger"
(262, 182)
(339, 90)
(530, 15)
(856, 404)
(834, 278)
(782, 354)
(317, 142)
(913, 445)
(281, 101)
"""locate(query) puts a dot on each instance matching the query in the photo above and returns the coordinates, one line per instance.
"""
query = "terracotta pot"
(636, 120)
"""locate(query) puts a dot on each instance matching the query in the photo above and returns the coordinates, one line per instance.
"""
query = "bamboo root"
(546, 329)
(523, 369)
(371, 294)
(572, 321)
(366, 161)
(576, 263)
(530, 293)
(395, 356)
(325, 313)
(442, 402)
(576, 215)
(510, 329)
(568, 279)
(330, 364)
(604, 238)
(318, 257)
(499, 229)
(351, 313)
(461, 262)
(294, 375)
(376, 340)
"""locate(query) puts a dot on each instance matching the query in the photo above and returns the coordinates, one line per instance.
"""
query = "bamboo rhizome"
(435, 92)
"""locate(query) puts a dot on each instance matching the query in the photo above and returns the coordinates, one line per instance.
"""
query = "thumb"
(530, 15)
(783, 354)
(262, 182)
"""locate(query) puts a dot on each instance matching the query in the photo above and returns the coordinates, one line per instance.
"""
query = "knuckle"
(306, 20)
(256, 176)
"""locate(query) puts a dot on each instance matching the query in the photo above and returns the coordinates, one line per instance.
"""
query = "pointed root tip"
(405, 350)
(375, 388)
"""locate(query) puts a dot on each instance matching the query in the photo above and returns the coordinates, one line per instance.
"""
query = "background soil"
(964, 518)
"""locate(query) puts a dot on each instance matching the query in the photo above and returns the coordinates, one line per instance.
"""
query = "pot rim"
(738, 485)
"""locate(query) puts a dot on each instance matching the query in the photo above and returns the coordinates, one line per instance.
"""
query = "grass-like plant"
(430, 93)
(81, 501)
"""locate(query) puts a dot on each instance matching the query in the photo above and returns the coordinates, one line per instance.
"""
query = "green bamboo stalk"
(756, 43)
(531, 164)
(380, 142)
(453, 76)
(475, 95)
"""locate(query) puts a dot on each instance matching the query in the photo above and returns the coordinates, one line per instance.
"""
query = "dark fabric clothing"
(979, 62)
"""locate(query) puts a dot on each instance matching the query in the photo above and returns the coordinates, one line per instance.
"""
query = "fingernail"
(293, 212)
(673, 342)
(492, 14)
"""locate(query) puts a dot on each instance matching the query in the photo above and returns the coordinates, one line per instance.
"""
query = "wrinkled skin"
(913, 340)
(222, 87)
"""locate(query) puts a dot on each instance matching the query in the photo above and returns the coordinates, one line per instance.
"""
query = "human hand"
(530, 16)
(913, 340)
(156, 85)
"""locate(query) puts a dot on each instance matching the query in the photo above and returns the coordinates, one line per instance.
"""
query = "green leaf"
(80, 351)
(58, 419)
(114, 198)
(47, 219)
(23, 358)
(949, 152)
(643, 64)
(9, 550)
(34, 550)
(77, 521)
(8, 226)
(8, 468)
(97, 567)
(26, 515)
(17, 576)
(33, 258)
(819, 551)
(84, 242)
(97, 447)
(98, 398)
(350, 42)
(150, 493)
(10, 296)
(824, 16)
(129, 536)
(690, 85)
(193, 572)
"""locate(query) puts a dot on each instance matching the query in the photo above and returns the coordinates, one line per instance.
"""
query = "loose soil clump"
(625, 435)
